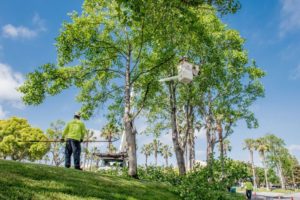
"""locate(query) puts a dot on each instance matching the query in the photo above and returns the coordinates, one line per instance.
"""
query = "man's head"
(77, 115)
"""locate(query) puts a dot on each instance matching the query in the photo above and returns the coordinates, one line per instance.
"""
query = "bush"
(160, 174)
(197, 184)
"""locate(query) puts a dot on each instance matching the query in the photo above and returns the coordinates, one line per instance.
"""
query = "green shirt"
(248, 186)
(75, 129)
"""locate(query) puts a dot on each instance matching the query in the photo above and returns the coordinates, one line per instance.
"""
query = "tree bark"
(282, 180)
(177, 148)
(128, 122)
(253, 168)
(220, 133)
(167, 163)
(266, 170)
(146, 163)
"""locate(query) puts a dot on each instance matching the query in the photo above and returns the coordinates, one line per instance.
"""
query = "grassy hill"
(33, 181)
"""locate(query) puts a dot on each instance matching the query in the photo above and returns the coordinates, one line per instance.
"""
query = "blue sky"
(271, 29)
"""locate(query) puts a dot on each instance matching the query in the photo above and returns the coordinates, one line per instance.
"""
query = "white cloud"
(290, 16)
(294, 147)
(2, 113)
(295, 74)
(9, 82)
(11, 31)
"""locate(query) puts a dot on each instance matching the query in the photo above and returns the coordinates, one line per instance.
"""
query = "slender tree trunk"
(282, 180)
(192, 140)
(192, 150)
(220, 133)
(146, 163)
(210, 147)
(128, 122)
(155, 154)
(166, 159)
(186, 151)
(253, 168)
(266, 170)
(177, 148)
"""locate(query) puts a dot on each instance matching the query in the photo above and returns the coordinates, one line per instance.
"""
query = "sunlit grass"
(32, 181)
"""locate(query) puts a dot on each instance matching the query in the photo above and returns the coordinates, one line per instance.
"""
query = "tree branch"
(143, 102)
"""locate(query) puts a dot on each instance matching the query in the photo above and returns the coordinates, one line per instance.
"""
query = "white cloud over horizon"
(11, 31)
(290, 16)
(9, 82)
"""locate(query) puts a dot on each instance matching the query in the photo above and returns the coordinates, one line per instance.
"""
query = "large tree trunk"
(253, 168)
(129, 132)
(177, 148)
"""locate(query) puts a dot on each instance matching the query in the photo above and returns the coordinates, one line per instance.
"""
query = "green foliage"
(160, 174)
(14, 133)
(32, 181)
(199, 184)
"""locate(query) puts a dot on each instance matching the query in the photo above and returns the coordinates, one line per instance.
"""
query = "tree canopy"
(14, 132)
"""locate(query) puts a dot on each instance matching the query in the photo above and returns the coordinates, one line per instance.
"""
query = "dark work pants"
(248, 194)
(72, 147)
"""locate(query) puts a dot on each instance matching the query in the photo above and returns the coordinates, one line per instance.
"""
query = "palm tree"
(166, 152)
(110, 132)
(147, 150)
(250, 145)
(156, 148)
(262, 147)
(226, 147)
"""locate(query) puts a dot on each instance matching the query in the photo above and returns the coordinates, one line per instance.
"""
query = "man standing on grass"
(73, 135)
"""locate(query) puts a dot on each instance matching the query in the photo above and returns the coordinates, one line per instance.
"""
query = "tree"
(110, 132)
(156, 144)
(166, 152)
(147, 150)
(113, 46)
(55, 133)
(250, 146)
(15, 136)
(117, 42)
(262, 147)
(276, 154)
(296, 172)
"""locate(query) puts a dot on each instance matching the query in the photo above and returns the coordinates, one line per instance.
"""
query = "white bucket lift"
(186, 72)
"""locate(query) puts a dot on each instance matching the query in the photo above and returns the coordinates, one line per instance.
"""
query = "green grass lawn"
(34, 181)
